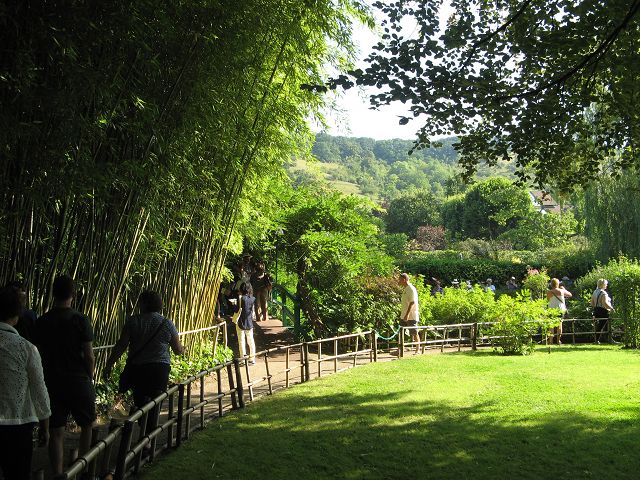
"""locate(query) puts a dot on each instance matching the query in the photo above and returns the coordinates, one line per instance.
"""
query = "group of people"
(245, 300)
(436, 285)
(601, 306)
(557, 295)
(47, 371)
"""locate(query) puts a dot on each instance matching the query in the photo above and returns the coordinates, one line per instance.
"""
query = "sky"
(354, 118)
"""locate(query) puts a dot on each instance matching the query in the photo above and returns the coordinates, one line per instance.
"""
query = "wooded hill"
(384, 169)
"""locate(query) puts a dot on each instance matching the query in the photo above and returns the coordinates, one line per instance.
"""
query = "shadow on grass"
(358, 436)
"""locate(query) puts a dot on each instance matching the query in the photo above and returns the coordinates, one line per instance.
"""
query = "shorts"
(408, 323)
(75, 396)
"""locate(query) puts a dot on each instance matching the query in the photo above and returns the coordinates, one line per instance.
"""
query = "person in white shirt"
(24, 400)
(557, 296)
(409, 308)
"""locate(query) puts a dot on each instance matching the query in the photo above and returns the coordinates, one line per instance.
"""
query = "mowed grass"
(569, 414)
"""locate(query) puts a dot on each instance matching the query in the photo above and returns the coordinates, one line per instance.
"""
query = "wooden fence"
(170, 414)
(473, 335)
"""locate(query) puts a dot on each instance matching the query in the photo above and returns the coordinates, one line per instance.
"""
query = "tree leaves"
(515, 80)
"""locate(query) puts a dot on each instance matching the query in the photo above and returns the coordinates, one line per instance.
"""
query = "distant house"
(544, 202)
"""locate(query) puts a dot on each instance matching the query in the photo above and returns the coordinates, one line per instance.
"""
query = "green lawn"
(570, 414)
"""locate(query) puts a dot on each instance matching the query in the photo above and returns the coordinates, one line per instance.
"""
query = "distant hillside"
(328, 148)
(383, 169)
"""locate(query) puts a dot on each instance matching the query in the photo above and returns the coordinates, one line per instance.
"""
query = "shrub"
(429, 238)
(201, 357)
(569, 260)
(537, 283)
(476, 270)
(371, 302)
(459, 305)
(517, 319)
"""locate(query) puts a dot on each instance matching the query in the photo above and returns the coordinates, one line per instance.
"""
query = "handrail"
(340, 337)
(180, 334)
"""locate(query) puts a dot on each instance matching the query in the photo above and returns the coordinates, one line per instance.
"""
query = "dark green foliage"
(611, 212)
(493, 207)
(135, 138)
(330, 242)
(476, 270)
(406, 213)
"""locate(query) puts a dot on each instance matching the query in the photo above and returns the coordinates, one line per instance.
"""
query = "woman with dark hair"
(24, 400)
(148, 336)
(244, 324)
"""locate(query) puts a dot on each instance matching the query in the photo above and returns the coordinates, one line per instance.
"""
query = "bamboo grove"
(136, 136)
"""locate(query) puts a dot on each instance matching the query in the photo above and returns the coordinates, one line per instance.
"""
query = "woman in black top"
(244, 326)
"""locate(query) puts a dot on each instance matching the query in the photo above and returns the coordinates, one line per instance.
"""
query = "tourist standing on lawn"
(557, 296)
(64, 337)
(409, 308)
(24, 400)
(148, 336)
(601, 304)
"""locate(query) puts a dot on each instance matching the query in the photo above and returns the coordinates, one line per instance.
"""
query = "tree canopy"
(549, 84)
(136, 136)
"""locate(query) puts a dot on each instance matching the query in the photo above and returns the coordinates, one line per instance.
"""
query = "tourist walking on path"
(24, 400)
(244, 322)
(26, 326)
(261, 283)
(64, 337)
(557, 296)
(601, 304)
(148, 336)
(409, 308)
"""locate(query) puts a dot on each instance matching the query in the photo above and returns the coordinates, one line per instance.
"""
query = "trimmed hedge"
(476, 270)
(449, 264)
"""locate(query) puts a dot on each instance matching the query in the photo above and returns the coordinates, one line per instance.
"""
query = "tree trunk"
(304, 296)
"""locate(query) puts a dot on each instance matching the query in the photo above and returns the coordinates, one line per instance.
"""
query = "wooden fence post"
(239, 388)
(125, 446)
(105, 465)
(401, 343)
(170, 415)
(91, 468)
(302, 356)
(232, 387)
(180, 414)
(474, 336)
(374, 345)
(307, 371)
